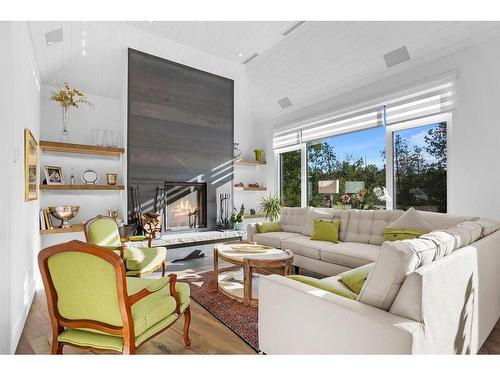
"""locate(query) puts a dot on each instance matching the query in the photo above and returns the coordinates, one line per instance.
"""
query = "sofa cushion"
(326, 213)
(326, 230)
(400, 258)
(439, 220)
(269, 227)
(320, 284)
(411, 219)
(293, 219)
(272, 239)
(367, 226)
(489, 226)
(303, 245)
(350, 254)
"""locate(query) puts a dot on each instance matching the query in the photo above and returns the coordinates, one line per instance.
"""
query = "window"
(290, 178)
(420, 163)
(355, 163)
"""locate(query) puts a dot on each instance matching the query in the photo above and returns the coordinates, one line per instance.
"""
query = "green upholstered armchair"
(139, 261)
(92, 304)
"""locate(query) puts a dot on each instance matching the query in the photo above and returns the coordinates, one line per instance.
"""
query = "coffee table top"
(239, 251)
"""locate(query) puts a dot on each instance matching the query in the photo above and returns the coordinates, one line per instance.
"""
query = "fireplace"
(183, 205)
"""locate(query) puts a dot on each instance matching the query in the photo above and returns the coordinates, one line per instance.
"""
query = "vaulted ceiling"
(317, 60)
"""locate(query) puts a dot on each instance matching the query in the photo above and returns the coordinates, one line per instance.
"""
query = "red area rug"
(241, 319)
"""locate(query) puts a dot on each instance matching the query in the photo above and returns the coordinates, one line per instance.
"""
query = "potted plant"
(237, 218)
(271, 207)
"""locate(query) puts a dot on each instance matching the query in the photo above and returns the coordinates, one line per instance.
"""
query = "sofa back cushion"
(293, 219)
(400, 258)
(439, 220)
(367, 226)
(327, 213)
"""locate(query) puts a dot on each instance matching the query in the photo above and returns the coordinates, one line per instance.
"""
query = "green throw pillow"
(269, 227)
(326, 230)
(323, 286)
(397, 234)
(355, 278)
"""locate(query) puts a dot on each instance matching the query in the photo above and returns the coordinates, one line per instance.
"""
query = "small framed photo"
(54, 175)
(31, 166)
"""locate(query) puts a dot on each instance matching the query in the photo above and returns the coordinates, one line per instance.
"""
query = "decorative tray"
(249, 248)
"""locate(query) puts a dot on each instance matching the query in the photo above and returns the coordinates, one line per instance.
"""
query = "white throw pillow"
(411, 219)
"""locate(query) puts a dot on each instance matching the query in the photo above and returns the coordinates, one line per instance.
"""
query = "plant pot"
(238, 226)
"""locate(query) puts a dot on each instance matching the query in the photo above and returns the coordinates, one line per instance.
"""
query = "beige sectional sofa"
(435, 294)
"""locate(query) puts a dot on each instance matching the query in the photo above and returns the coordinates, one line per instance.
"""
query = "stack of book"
(45, 219)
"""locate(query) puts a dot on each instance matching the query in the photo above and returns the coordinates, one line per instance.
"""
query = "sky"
(368, 144)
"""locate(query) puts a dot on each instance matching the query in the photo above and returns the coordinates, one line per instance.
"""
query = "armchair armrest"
(295, 318)
(156, 286)
(251, 230)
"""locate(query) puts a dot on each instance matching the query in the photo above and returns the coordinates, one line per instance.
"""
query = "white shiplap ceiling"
(316, 61)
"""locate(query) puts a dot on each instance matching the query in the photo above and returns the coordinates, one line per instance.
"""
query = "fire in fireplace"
(183, 205)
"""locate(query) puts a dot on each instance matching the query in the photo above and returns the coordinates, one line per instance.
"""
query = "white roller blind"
(432, 98)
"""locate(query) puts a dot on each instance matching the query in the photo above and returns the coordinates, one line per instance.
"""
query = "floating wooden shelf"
(82, 187)
(74, 148)
(72, 229)
(249, 163)
(246, 188)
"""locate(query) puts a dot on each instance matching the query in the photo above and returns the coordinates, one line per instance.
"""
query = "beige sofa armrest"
(251, 230)
(295, 318)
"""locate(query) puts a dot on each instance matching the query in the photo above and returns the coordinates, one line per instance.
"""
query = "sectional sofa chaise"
(439, 293)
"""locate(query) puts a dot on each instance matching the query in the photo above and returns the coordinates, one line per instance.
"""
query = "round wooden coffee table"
(244, 289)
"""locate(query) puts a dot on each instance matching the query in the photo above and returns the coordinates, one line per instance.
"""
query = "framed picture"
(31, 167)
(54, 175)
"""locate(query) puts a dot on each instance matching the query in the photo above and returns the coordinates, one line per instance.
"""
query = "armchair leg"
(56, 347)
(187, 322)
(163, 268)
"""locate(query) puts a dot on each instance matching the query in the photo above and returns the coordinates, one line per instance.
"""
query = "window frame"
(389, 162)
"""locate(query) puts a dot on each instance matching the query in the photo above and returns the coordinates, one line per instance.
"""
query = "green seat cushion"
(326, 230)
(272, 226)
(311, 281)
(144, 258)
(108, 342)
(135, 284)
(355, 278)
(151, 309)
(397, 234)
(137, 238)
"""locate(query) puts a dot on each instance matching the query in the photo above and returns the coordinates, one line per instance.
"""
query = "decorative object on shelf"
(47, 220)
(114, 138)
(64, 213)
(224, 203)
(72, 179)
(115, 214)
(255, 185)
(252, 211)
(111, 178)
(236, 151)
(271, 207)
(106, 138)
(237, 218)
(31, 167)
(90, 177)
(54, 175)
(68, 97)
(151, 225)
(96, 137)
(259, 154)
(240, 184)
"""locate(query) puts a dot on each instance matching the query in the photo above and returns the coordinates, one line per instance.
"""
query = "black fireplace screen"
(182, 205)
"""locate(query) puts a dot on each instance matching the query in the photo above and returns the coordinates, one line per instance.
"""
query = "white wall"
(20, 241)
(474, 140)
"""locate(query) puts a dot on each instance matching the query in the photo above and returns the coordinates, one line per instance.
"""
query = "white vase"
(64, 133)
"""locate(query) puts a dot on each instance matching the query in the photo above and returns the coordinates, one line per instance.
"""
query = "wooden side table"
(273, 260)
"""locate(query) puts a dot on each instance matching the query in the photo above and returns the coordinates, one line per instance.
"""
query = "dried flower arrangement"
(69, 97)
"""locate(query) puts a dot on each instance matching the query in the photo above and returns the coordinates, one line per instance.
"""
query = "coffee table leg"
(216, 268)
(247, 282)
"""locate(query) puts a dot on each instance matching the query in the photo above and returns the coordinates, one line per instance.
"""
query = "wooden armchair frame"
(125, 301)
(121, 248)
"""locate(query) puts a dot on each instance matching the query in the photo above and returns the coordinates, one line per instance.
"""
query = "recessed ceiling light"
(240, 54)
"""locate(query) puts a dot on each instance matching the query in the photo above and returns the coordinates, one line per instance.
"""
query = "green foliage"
(290, 179)
(271, 206)
(237, 217)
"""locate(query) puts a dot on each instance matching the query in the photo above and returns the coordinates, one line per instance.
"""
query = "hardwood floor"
(208, 335)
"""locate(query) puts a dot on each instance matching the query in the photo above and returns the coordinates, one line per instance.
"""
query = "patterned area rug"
(241, 319)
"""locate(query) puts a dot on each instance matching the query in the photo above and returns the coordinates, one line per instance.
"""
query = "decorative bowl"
(64, 213)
